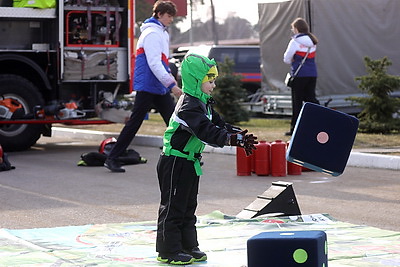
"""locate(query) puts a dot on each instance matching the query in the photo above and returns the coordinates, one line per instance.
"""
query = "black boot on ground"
(179, 258)
(289, 133)
(113, 165)
(196, 253)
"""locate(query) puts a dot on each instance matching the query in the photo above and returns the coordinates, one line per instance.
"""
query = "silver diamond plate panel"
(23, 12)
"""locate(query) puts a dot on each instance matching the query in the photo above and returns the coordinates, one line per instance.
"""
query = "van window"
(249, 57)
(245, 59)
(222, 54)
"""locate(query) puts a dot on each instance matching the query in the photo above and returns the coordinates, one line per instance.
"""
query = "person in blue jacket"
(153, 80)
(304, 82)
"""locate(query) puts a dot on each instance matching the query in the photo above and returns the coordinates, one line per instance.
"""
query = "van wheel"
(17, 137)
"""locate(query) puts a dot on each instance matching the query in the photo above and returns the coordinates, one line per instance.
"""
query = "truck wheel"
(17, 137)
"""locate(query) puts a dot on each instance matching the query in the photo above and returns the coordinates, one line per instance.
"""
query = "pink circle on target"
(322, 137)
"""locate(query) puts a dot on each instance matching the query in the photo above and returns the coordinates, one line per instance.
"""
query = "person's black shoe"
(180, 258)
(289, 133)
(113, 165)
(196, 253)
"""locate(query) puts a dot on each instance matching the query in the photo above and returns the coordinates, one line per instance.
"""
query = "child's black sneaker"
(196, 253)
(180, 258)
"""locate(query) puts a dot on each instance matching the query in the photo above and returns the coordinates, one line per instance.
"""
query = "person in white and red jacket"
(305, 80)
(153, 80)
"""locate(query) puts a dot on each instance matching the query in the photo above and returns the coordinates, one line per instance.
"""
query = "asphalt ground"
(48, 189)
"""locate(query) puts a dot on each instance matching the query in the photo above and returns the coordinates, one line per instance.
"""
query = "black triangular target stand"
(278, 200)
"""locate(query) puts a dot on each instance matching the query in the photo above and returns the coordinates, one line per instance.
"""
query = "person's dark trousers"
(179, 184)
(303, 90)
(143, 103)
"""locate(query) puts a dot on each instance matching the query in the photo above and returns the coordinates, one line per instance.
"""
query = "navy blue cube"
(322, 139)
(288, 249)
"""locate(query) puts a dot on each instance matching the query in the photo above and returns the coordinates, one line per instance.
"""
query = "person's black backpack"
(129, 157)
(92, 159)
(5, 164)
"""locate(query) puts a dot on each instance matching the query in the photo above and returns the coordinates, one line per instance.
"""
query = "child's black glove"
(244, 140)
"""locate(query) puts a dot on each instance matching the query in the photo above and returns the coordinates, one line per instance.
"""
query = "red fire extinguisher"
(278, 158)
(253, 162)
(243, 163)
(293, 169)
(262, 158)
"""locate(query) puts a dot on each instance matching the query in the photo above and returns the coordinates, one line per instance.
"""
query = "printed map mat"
(223, 238)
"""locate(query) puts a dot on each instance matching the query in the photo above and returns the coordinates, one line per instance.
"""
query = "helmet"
(106, 145)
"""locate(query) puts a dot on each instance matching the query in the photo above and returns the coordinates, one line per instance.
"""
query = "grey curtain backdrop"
(348, 30)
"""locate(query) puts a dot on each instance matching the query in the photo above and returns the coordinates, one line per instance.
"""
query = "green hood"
(194, 69)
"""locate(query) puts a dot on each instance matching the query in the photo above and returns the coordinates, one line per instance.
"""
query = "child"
(193, 124)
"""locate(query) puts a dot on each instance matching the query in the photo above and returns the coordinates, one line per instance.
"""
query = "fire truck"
(63, 63)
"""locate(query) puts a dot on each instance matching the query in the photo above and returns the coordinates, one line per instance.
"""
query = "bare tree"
(214, 25)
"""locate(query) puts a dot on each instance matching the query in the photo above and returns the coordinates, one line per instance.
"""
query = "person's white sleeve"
(290, 51)
(152, 45)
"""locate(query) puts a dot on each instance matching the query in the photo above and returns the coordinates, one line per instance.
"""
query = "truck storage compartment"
(95, 65)
(29, 32)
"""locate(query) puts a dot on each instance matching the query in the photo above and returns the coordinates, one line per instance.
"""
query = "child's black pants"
(179, 184)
